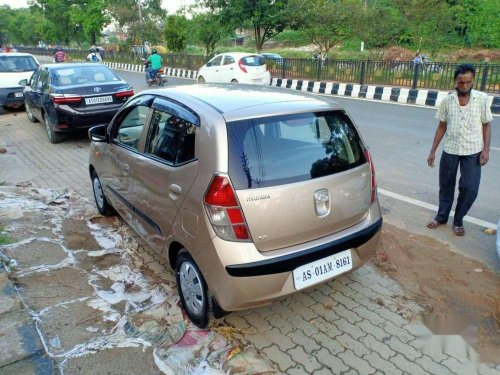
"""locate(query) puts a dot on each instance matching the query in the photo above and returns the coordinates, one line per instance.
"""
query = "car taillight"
(124, 94)
(372, 173)
(65, 99)
(224, 211)
(241, 64)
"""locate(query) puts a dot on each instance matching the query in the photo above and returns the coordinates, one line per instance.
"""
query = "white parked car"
(14, 67)
(235, 67)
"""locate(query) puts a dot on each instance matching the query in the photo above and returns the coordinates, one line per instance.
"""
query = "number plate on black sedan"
(322, 269)
(99, 100)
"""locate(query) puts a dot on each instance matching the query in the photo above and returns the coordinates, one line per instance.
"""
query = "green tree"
(326, 23)
(267, 18)
(176, 32)
(207, 29)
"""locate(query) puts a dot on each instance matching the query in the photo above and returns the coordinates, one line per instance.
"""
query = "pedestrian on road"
(59, 56)
(417, 59)
(465, 122)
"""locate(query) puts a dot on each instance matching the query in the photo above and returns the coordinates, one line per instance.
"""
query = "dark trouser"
(468, 185)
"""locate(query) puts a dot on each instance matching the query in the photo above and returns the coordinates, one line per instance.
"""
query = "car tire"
(54, 137)
(103, 206)
(234, 81)
(29, 113)
(201, 79)
(193, 290)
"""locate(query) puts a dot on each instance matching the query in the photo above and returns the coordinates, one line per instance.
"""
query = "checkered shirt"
(464, 129)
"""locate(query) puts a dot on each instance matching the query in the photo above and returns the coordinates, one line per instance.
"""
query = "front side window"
(170, 138)
(130, 129)
(292, 148)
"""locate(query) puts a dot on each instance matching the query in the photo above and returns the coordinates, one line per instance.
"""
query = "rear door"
(118, 169)
(166, 170)
(227, 69)
(298, 177)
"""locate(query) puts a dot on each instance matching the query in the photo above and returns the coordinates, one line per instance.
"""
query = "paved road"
(352, 325)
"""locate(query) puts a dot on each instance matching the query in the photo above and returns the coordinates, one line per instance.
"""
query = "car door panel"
(166, 171)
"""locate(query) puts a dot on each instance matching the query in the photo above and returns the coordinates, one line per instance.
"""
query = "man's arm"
(440, 131)
(485, 154)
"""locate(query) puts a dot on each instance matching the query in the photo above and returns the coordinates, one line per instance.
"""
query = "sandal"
(434, 224)
(459, 231)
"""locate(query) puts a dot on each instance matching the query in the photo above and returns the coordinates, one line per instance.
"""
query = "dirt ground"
(455, 291)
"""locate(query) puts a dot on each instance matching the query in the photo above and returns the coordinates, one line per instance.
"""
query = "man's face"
(464, 83)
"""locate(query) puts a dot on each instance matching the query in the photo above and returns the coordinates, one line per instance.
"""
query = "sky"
(171, 5)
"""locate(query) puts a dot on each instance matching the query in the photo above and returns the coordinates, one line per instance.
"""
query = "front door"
(166, 170)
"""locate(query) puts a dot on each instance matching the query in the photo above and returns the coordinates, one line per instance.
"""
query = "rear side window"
(17, 64)
(170, 138)
(253, 60)
(285, 149)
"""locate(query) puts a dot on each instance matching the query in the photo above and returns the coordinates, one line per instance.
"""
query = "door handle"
(175, 191)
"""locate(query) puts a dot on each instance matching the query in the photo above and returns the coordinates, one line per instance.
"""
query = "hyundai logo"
(97, 89)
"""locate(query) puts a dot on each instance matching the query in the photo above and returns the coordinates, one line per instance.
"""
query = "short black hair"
(464, 68)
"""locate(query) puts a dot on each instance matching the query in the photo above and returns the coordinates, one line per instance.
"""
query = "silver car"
(251, 193)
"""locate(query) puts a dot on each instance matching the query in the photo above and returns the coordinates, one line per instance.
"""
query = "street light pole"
(141, 27)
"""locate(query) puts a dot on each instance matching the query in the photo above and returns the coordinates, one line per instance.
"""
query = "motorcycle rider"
(59, 56)
(156, 62)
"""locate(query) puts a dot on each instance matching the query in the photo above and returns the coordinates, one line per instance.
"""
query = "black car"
(66, 97)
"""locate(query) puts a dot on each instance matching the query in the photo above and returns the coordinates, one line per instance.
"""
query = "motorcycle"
(159, 79)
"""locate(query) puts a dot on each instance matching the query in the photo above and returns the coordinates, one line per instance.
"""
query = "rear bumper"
(241, 277)
(74, 119)
(289, 262)
(8, 96)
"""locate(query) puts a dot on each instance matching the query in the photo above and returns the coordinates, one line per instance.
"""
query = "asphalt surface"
(400, 137)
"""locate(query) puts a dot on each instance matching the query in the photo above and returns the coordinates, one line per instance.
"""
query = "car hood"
(11, 79)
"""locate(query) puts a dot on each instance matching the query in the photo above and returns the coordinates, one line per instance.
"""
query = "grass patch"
(4, 239)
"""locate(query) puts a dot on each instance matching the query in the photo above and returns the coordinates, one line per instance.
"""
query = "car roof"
(238, 101)
(71, 65)
(238, 54)
(16, 54)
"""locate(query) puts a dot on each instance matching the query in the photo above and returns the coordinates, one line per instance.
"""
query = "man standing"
(465, 121)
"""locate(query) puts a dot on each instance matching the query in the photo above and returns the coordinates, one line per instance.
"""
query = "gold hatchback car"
(251, 193)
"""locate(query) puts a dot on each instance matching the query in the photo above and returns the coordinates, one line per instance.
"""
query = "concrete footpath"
(21, 351)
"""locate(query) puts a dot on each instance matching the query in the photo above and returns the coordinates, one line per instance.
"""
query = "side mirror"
(23, 82)
(98, 133)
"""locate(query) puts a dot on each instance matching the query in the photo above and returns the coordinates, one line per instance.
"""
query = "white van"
(14, 67)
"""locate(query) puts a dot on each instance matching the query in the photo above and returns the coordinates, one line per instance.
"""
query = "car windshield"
(17, 64)
(82, 75)
(253, 60)
(292, 148)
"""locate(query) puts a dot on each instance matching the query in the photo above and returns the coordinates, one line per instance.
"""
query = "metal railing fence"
(434, 76)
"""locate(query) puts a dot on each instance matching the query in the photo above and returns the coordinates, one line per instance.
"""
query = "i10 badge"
(322, 269)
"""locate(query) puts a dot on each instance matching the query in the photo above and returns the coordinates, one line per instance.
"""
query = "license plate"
(18, 94)
(99, 100)
(322, 269)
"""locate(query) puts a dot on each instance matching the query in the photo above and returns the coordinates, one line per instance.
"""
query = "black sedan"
(66, 97)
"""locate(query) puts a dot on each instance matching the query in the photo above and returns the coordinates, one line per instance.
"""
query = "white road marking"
(432, 207)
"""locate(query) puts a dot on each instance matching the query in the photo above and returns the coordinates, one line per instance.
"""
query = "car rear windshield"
(17, 64)
(253, 60)
(279, 150)
(83, 75)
